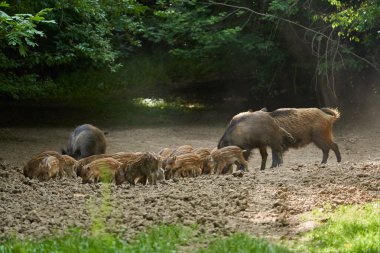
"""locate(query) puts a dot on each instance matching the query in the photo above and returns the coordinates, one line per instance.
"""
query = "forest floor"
(273, 203)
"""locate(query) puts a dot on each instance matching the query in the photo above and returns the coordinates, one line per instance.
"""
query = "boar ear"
(264, 109)
(63, 151)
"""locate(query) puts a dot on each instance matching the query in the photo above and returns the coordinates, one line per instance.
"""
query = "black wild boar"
(86, 140)
(250, 130)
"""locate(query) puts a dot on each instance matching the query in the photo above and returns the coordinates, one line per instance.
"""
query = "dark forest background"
(240, 54)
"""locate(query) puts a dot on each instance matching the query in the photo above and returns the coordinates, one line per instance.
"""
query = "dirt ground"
(271, 203)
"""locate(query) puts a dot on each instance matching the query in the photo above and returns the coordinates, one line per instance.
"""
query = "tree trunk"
(326, 92)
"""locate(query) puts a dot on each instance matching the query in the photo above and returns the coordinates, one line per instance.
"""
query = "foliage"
(19, 30)
(68, 48)
(355, 17)
(348, 229)
(358, 25)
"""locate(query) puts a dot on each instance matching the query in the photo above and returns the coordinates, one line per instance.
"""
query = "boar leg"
(198, 172)
(335, 148)
(276, 159)
(219, 167)
(242, 164)
(152, 179)
(325, 155)
(323, 144)
(264, 155)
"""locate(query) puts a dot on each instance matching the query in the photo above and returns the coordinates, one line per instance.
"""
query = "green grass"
(158, 239)
(242, 243)
(348, 229)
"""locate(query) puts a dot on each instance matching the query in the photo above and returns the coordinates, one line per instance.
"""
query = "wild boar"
(86, 140)
(33, 168)
(100, 170)
(69, 166)
(125, 157)
(160, 174)
(182, 150)
(165, 152)
(49, 168)
(78, 167)
(250, 130)
(143, 167)
(178, 151)
(225, 157)
(308, 125)
(204, 154)
(186, 164)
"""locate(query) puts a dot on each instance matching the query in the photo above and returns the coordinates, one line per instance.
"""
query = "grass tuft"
(349, 229)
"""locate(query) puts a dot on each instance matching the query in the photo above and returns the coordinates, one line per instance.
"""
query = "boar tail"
(288, 139)
(332, 112)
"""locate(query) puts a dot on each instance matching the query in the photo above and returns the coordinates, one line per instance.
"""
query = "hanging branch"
(373, 65)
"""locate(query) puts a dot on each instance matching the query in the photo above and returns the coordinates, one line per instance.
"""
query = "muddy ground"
(270, 203)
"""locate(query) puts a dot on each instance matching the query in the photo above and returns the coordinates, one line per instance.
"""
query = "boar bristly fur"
(250, 130)
(308, 125)
(86, 140)
(225, 157)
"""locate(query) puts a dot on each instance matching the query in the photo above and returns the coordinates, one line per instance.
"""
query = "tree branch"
(377, 68)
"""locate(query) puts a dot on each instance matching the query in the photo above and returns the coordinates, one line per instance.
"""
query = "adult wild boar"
(250, 130)
(86, 140)
(308, 125)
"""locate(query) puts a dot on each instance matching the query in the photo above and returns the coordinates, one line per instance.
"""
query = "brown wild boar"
(226, 157)
(204, 155)
(49, 168)
(125, 157)
(186, 164)
(160, 174)
(100, 170)
(69, 166)
(165, 152)
(250, 130)
(178, 151)
(308, 125)
(33, 168)
(184, 149)
(84, 161)
(86, 140)
(143, 167)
